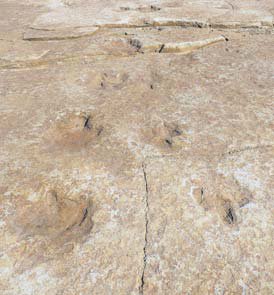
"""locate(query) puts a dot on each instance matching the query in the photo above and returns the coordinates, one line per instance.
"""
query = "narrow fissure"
(146, 210)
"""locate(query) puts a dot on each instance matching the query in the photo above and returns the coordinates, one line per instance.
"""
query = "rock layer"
(137, 147)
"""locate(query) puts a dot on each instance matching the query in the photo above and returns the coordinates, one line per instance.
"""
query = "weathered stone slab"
(210, 225)
(136, 147)
(140, 13)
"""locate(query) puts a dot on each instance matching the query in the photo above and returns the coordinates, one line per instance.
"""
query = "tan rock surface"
(137, 144)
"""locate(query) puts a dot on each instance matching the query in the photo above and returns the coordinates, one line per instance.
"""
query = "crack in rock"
(247, 148)
(33, 34)
(146, 210)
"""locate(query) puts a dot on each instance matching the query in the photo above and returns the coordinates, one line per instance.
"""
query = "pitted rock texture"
(136, 147)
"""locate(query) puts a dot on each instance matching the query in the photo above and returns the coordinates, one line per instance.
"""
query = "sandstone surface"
(136, 147)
